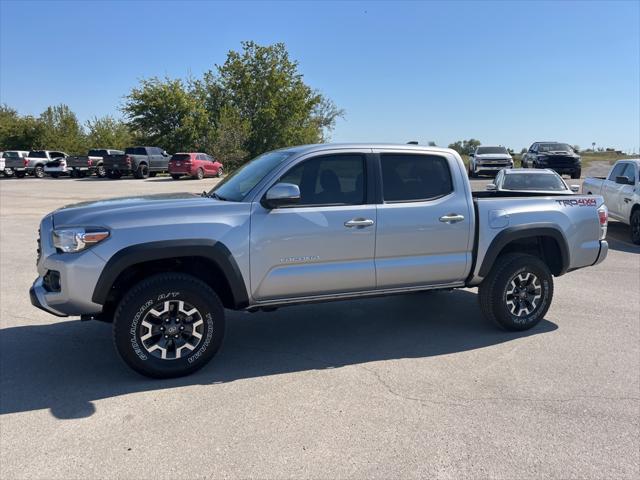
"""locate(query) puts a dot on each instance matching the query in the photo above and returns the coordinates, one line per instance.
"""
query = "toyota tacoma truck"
(91, 163)
(306, 224)
(142, 162)
(621, 192)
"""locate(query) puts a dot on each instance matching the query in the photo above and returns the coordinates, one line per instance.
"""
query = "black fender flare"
(518, 232)
(169, 249)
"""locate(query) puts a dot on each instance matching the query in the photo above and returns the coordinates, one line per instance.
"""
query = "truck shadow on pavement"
(619, 238)
(67, 365)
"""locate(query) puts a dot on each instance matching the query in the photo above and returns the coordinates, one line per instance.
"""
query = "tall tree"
(108, 132)
(166, 113)
(17, 132)
(62, 131)
(265, 87)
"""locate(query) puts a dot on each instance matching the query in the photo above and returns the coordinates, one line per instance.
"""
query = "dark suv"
(554, 156)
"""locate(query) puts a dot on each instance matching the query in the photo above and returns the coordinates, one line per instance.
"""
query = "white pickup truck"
(621, 192)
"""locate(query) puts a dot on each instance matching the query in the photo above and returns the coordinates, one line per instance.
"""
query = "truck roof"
(337, 146)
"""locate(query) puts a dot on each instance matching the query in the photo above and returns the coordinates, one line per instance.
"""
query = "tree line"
(254, 102)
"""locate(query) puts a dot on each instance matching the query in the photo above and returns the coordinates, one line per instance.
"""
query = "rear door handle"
(359, 222)
(451, 218)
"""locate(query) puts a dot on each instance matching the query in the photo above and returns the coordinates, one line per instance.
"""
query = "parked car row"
(141, 162)
(556, 156)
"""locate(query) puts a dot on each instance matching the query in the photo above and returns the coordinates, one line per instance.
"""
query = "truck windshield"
(532, 181)
(97, 153)
(554, 147)
(38, 154)
(485, 150)
(236, 185)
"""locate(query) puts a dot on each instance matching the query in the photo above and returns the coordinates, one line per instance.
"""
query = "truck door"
(325, 243)
(424, 233)
(611, 191)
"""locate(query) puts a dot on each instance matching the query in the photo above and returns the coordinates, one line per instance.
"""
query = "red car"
(196, 165)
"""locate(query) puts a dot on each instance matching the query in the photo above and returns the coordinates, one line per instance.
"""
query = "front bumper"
(78, 276)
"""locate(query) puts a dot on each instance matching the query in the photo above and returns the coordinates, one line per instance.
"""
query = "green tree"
(265, 87)
(166, 113)
(62, 131)
(465, 147)
(19, 133)
(108, 132)
(231, 136)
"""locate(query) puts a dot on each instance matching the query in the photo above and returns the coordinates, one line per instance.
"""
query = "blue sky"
(505, 73)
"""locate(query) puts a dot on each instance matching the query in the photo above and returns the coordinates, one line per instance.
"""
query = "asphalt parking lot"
(402, 387)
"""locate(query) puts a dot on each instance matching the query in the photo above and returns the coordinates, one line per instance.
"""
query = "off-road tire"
(635, 226)
(101, 172)
(492, 292)
(141, 172)
(136, 305)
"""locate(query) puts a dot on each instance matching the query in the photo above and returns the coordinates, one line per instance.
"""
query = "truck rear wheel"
(38, 172)
(168, 325)
(142, 171)
(517, 293)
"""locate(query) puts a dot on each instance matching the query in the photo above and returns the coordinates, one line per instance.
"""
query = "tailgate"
(77, 161)
(114, 162)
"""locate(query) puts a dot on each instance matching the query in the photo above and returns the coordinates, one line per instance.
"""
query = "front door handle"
(359, 222)
(452, 218)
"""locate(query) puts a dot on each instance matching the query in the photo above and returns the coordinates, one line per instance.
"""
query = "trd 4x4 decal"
(578, 202)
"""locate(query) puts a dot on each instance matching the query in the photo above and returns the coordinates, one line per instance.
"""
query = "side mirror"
(280, 195)
(624, 180)
(574, 188)
(491, 187)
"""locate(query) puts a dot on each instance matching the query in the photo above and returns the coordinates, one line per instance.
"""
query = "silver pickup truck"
(621, 192)
(306, 224)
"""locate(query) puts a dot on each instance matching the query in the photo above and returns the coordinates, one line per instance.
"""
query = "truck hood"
(104, 212)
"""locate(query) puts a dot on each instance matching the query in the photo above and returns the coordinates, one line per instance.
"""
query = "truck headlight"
(69, 240)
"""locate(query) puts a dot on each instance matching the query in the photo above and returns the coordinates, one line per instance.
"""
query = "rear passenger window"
(329, 180)
(410, 177)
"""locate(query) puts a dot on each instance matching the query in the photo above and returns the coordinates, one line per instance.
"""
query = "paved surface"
(408, 386)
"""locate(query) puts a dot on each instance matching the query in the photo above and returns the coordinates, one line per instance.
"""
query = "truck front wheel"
(518, 291)
(168, 325)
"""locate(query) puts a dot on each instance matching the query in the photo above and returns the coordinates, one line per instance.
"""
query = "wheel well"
(633, 210)
(544, 247)
(202, 268)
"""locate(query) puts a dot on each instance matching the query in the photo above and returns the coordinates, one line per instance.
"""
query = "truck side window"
(409, 177)
(617, 171)
(329, 180)
(630, 172)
